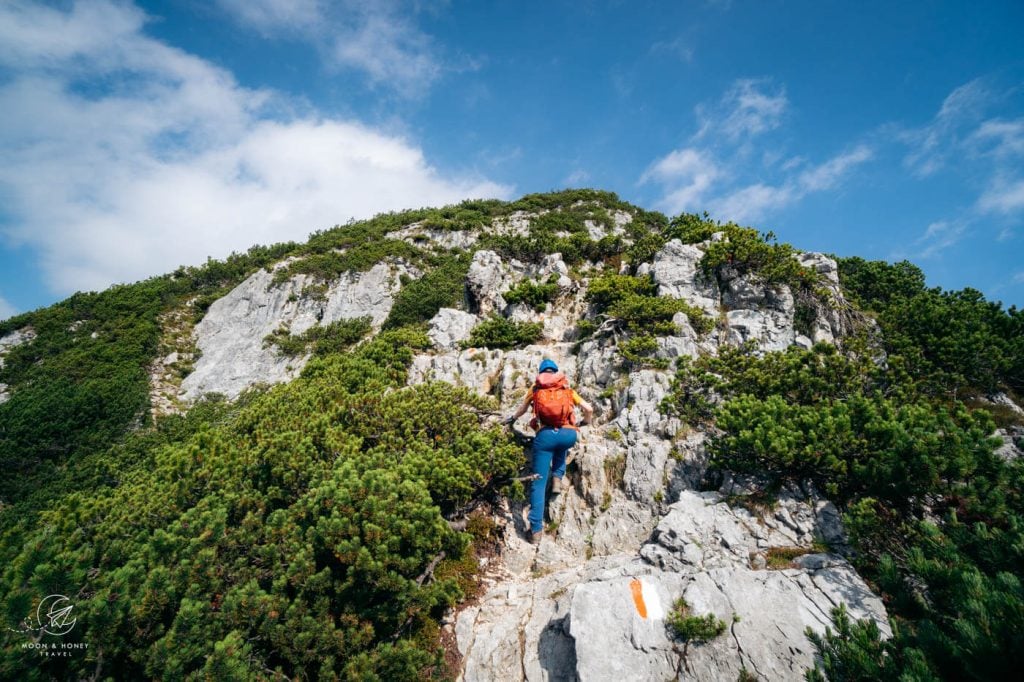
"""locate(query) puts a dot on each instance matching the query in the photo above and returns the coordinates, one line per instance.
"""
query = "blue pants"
(549, 449)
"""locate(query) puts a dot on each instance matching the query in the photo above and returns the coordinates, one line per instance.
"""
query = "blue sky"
(137, 137)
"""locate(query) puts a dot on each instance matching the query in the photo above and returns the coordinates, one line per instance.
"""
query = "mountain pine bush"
(291, 539)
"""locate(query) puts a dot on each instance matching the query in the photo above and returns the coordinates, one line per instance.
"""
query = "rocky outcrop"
(605, 618)
(419, 234)
(677, 272)
(1012, 442)
(7, 342)
(15, 338)
(489, 277)
(629, 536)
(450, 327)
(230, 337)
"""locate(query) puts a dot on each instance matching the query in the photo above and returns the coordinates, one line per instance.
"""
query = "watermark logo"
(53, 617)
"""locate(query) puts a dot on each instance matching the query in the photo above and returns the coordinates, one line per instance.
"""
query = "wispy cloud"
(827, 175)
(758, 200)
(273, 16)
(685, 176)
(693, 179)
(750, 107)
(6, 309)
(753, 202)
(577, 178)
(939, 236)
(1003, 197)
(999, 138)
(380, 39)
(932, 144)
(714, 171)
(680, 47)
(172, 160)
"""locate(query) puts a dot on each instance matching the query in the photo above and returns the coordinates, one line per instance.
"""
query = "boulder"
(488, 278)
(449, 327)
(676, 270)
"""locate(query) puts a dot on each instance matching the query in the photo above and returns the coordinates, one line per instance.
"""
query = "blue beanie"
(548, 364)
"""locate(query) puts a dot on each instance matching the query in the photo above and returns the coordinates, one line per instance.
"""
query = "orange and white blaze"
(646, 600)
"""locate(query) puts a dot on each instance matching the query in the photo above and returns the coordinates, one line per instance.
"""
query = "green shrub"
(499, 332)
(691, 228)
(443, 286)
(614, 470)
(291, 540)
(330, 338)
(534, 294)
(635, 302)
(947, 341)
(751, 252)
(691, 628)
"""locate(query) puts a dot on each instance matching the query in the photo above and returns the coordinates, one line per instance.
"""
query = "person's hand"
(509, 419)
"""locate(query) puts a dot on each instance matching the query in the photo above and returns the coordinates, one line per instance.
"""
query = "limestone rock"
(488, 278)
(15, 338)
(641, 416)
(771, 330)
(767, 612)
(676, 271)
(230, 337)
(832, 321)
(619, 628)
(445, 239)
(1013, 443)
(622, 528)
(449, 327)
(996, 399)
(520, 630)
(821, 264)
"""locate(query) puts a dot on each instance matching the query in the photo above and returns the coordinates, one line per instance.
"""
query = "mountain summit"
(290, 464)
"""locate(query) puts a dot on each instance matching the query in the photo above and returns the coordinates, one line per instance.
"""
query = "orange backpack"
(552, 400)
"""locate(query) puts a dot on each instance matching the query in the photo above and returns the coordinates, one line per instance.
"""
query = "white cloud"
(6, 309)
(273, 16)
(750, 107)
(931, 145)
(705, 174)
(172, 160)
(1018, 277)
(756, 201)
(753, 203)
(1000, 138)
(686, 175)
(1003, 197)
(939, 236)
(679, 47)
(380, 38)
(577, 178)
(828, 174)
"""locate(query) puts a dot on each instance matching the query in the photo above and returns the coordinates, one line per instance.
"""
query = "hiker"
(554, 419)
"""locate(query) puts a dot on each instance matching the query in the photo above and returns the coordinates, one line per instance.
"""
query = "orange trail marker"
(636, 587)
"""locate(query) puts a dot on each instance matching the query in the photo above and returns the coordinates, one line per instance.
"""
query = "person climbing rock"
(554, 419)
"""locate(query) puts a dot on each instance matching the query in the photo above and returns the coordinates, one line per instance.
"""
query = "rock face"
(15, 338)
(676, 271)
(451, 326)
(605, 618)
(230, 338)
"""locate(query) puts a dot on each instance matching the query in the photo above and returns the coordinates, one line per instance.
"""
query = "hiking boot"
(535, 536)
(556, 485)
